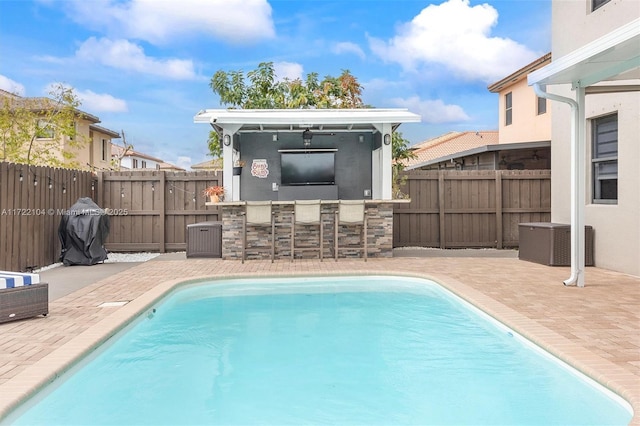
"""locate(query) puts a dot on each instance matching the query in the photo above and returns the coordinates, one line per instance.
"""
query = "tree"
(400, 153)
(31, 128)
(260, 90)
(116, 163)
(265, 92)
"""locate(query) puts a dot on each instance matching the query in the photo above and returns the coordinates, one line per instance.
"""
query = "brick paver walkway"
(595, 328)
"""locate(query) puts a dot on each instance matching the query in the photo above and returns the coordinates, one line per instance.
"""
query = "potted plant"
(215, 193)
(237, 167)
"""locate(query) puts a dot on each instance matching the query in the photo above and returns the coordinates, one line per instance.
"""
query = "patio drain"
(113, 304)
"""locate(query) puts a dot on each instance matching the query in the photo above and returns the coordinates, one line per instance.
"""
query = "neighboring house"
(95, 152)
(523, 139)
(523, 116)
(214, 164)
(129, 159)
(594, 82)
(170, 167)
(478, 151)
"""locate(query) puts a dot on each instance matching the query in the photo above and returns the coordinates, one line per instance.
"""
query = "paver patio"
(595, 328)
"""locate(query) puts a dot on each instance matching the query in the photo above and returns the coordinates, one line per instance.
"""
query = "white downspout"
(577, 225)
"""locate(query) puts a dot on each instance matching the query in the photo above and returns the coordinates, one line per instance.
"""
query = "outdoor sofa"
(22, 295)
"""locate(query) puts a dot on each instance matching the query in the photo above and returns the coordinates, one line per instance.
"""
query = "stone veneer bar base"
(379, 231)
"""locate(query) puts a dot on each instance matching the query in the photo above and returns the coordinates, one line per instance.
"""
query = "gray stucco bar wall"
(379, 232)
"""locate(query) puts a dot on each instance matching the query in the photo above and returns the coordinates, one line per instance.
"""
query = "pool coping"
(44, 371)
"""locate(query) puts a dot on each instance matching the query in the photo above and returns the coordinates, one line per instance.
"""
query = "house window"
(595, 4)
(508, 109)
(44, 130)
(105, 147)
(134, 163)
(605, 159)
(542, 105)
(144, 164)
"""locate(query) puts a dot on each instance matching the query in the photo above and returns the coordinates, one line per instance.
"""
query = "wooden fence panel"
(33, 200)
(457, 209)
(151, 209)
(420, 224)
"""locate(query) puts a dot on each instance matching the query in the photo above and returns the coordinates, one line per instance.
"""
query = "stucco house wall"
(616, 226)
(527, 125)
(95, 152)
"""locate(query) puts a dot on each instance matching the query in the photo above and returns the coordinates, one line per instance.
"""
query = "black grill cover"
(82, 231)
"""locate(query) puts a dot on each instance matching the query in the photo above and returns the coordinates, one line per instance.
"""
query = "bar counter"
(379, 231)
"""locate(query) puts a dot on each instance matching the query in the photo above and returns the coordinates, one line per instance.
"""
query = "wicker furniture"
(550, 243)
(24, 302)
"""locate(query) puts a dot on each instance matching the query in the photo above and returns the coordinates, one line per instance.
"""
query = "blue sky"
(143, 66)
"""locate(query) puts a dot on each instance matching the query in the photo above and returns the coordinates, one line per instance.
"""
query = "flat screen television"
(307, 168)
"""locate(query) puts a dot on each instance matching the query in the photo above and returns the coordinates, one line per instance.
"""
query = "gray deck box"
(204, 239)
(550, 243)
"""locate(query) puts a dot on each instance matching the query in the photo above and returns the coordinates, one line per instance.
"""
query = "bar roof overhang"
(614, 56)
(275, 120)
(596, 67)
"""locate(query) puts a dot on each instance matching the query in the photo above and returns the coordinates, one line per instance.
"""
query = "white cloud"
(348, 47)
(159, 22)
(458, 36)
(122, 54)
(95, 102)
(90, 101)
(184, 162)
(432, 111)
(11, 86)
(290, 70)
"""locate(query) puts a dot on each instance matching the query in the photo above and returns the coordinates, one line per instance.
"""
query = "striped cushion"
(17, 279)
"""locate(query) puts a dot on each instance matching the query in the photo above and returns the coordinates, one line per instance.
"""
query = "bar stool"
(306, 212)
(257, 213)
(351, 212)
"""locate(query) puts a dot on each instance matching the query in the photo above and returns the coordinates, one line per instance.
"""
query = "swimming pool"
(374, 350)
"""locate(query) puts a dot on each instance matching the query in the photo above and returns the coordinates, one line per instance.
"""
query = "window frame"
(541, 101)
(105, 145)
(599, 160)
(43, 126)
(508, 109)
(597, 4)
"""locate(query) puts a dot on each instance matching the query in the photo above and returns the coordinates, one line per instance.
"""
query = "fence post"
(441, 208)
(162, 208)
(499, 236)
(100, 188)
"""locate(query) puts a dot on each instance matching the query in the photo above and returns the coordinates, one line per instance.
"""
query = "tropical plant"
(213, 190)
(400, 153)
(260, 90)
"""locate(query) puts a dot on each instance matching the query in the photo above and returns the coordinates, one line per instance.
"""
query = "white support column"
(227, 170)
(387, 157)
(577, 220)
(578, 164)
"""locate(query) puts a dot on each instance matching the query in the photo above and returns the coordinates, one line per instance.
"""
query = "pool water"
(372, 350)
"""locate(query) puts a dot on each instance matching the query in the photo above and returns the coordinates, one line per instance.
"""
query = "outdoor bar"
(306, 183)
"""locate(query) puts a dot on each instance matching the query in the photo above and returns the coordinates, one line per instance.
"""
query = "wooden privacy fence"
(150, 210)
(33, 200)
(462, 209)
